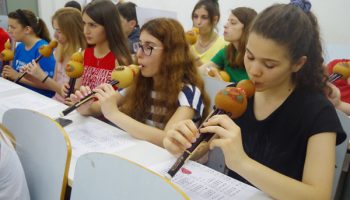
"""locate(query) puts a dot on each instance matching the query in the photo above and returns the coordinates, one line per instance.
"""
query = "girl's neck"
(266, 102)
(236, 45)
(101, 49)
(205, 39)
(30, 41)
(280, 92)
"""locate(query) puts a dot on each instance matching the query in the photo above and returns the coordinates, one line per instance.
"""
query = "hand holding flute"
(122, 77)
(45, 51)
(340, 71)
(74, 70)
(6, 56)
(231, 101)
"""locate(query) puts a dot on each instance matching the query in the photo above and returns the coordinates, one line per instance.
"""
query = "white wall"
(332, 15)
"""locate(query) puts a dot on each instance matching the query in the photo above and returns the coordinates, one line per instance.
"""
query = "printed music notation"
(201, 182)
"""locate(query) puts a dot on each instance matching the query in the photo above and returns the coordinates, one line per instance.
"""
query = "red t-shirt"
(3, 38)
(97, 70)
(342, 84)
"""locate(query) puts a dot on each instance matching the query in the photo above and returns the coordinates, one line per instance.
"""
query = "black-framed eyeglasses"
(146, 48)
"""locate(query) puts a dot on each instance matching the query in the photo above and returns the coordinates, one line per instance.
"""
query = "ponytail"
(41, 30)
(28, 18)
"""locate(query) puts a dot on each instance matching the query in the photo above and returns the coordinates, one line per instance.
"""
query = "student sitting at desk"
(68, 26)
(107, 43)
(284, 144)
(32, 33)
(148, 109)
(205, 17)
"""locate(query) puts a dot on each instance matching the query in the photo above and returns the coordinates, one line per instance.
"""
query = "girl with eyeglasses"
(107, 44)
(31, 33)
(167, 90)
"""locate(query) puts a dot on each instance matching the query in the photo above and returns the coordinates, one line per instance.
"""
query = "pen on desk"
(231, 101)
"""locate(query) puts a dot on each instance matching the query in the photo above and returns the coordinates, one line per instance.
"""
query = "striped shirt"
(190, 96)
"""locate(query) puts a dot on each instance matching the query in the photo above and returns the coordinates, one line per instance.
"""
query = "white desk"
(88, 134)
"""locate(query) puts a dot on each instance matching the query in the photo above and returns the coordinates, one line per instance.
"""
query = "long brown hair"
(298, 31)
(105, 13)
(28, 18)
(70, 23)
(235, 56)
(177, 68)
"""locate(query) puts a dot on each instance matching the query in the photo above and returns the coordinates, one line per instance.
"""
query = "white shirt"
(13, 185)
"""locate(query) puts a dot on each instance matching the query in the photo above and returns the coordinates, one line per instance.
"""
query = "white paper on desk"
(145, 14)
(94, 137)
(27, 101)
(201, 182)
(6, 85)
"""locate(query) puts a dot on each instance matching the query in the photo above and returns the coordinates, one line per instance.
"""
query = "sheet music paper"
(94, 137)
(200, 182)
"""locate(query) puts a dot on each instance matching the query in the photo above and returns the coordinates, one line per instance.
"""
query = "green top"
(236, 74)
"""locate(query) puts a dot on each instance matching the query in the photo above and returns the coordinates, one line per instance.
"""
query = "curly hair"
(177, 69)
(298, 31)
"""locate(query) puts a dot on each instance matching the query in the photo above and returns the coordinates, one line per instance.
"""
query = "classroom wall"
(13, 5)
(332, 16)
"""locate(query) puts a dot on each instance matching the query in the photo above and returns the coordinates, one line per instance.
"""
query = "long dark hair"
(298, 31)
(105, 13)
(235, 56)
(28, 18)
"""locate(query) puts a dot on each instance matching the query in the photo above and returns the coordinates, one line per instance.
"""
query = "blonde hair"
(70, 23)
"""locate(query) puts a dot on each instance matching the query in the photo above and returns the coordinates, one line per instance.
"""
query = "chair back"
(44, 150)
(107, 176)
